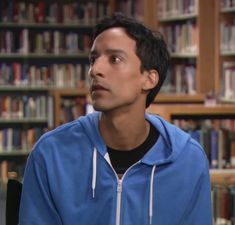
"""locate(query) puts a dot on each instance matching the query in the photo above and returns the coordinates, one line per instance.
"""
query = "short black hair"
(150, 46)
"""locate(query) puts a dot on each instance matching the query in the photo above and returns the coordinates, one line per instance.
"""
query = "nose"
(96, 67)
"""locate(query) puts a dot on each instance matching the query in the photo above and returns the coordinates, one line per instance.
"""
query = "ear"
(151, 79)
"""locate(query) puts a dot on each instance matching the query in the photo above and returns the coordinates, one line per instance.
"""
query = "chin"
(100, 107)
(103, 107)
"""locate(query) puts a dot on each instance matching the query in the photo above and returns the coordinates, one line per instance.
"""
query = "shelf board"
(174, 18)
(222, 176)
(65, 90)
(45, 25)
(23, 88)
(70, 91)
(168, 111)
(179, 98)
(228, 10)
(22, 120)
(43, 56)
(198, 109)
(225, 100)
(183, 55)
(14, 153)
(228, 53)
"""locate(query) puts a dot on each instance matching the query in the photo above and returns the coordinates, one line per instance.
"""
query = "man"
(120, 165)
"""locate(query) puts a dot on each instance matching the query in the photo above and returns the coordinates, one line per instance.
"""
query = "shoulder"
(63, 135)
(62, 130)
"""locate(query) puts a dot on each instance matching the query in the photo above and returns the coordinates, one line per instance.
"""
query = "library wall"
(44, 49)
(198, 95)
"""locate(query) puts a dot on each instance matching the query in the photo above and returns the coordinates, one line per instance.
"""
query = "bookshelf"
(69, 104)
(187, 30)
(190, 105)
(200, 120)
(225, 50)
(207, 43)
(190, 110)
(214, 128)
(40, 43)
(222, 177)
(44, 49)
(24, 117)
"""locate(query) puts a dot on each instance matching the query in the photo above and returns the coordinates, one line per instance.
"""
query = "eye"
(92, 60)
(115, 59)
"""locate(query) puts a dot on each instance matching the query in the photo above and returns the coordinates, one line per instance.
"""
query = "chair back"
(14, 189)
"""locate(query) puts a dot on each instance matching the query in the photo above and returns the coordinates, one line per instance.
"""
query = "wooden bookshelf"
(39, 56)
(36, 51)
(33, 120)
(44, 25)
(197, 112)
(224, 177)
(179, 98)
(15, 153)
(224, 50)
(58, 95)
(168, 111)
(31, 88)
(208, 59)
(203, 56)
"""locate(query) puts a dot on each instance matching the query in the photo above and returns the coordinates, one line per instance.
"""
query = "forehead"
(114, 37)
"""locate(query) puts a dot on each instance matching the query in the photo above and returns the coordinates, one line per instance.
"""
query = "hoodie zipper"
(119, 192)
(119, 197)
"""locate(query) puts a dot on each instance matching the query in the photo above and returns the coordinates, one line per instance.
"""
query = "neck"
(125, 131)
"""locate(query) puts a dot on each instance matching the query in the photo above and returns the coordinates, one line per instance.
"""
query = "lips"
(98, 87)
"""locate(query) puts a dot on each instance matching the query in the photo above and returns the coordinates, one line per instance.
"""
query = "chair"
(14, 188)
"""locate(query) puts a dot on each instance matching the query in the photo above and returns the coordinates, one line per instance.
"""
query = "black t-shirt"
(121, 160)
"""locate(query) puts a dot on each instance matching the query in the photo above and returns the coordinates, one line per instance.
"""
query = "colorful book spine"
(217, 137)
(84, 12)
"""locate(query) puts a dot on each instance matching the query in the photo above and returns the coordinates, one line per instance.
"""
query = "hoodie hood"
(166, 150)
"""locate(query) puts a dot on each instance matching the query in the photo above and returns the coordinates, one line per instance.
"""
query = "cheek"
(130, 86)
(134, 79)
(126, 78)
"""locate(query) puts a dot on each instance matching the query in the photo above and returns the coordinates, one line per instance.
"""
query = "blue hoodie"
(69, 180)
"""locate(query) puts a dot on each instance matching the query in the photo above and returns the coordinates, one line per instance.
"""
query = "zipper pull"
(119, 186)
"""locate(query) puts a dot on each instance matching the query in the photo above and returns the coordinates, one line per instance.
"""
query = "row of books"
(181, 38)
(83, 12)
(17, 139)
(54, 42)
(217, 137)
(23, 106)
(227, 3)
(227, 34)
(228, 80)
(223, 201)
(52, 75)
(190, 124)
(72, 108)
(12, 166)
(173, 8)
(132, 8)
(181, 79)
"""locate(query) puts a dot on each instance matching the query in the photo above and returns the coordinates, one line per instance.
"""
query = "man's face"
(116, 80)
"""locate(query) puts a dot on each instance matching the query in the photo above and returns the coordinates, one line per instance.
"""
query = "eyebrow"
(109, 51)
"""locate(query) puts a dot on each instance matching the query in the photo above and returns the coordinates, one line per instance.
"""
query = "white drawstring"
(151, 195)
(94, 172)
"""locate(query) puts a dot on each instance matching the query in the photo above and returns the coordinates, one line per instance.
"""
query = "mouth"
(98, 87)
